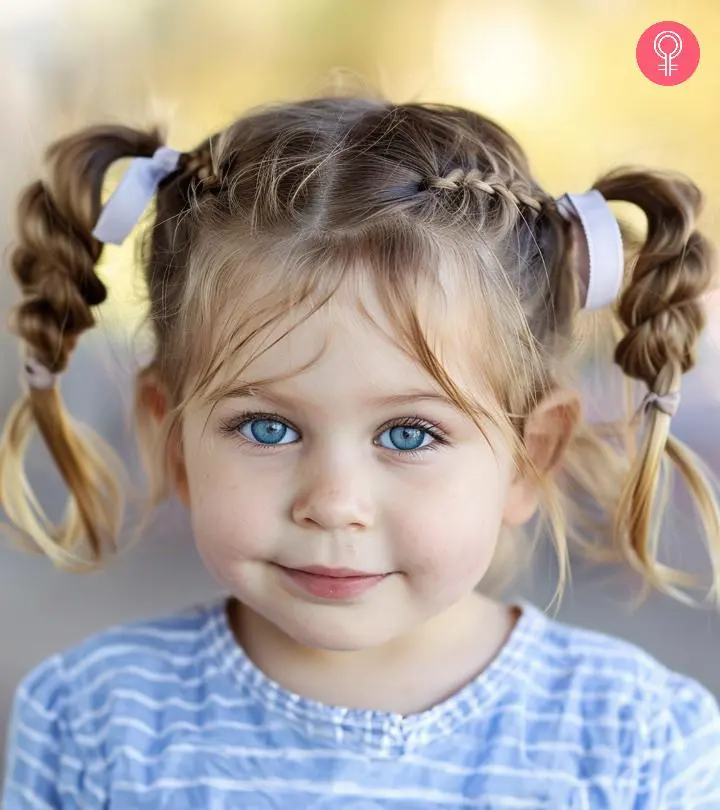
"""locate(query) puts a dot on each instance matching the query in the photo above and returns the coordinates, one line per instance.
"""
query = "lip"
(333, 573)
(337, 584)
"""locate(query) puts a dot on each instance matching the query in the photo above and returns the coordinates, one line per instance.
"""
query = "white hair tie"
(665, 403)
(133, 195)
(604, 243)
(37, 375)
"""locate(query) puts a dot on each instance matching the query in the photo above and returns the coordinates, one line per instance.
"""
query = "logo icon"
(668, 53)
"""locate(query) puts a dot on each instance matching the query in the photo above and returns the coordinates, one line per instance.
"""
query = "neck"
(448, 652)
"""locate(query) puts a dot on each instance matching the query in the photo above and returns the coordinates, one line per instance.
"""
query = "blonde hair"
(271, 215)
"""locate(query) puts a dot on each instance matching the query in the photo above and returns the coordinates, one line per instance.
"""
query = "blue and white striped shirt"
(171, 714)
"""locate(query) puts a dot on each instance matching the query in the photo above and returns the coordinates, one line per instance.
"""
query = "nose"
(333, 496)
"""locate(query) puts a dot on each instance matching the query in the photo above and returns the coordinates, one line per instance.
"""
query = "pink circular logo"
(668, 53)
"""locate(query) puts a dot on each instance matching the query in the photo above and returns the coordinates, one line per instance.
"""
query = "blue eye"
(266, 431)
(408, 437)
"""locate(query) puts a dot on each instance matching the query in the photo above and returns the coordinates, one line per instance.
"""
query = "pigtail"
(662, 313)
(54, 264)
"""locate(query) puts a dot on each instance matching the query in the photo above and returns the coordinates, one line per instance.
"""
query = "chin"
(336, 633)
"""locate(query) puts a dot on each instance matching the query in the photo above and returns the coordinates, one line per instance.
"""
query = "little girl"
(364, 317)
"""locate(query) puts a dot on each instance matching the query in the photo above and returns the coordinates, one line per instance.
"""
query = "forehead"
(352, 344)
(367, 334)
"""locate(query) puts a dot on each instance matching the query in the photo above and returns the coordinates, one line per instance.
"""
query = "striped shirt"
(172, 714)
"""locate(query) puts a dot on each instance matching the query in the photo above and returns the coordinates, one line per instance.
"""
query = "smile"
(332, 583)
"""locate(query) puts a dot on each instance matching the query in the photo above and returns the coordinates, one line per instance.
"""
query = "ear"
(154, 398)
(548, 430)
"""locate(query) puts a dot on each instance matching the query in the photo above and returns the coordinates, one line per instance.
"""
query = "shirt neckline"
(370, 731)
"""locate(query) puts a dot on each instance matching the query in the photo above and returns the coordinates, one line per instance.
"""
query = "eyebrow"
(416, 395)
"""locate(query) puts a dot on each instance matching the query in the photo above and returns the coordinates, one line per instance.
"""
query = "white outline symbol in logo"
(667, 65)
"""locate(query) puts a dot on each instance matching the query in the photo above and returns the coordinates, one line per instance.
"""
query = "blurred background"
(560, 75)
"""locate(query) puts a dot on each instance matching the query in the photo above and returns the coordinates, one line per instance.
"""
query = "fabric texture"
(171, 714)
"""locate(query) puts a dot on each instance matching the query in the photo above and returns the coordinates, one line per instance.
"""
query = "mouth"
(333, 573)
(336, 584)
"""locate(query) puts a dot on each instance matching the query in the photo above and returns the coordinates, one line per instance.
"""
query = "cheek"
(231, 512)
(449, 536)
(454, 555)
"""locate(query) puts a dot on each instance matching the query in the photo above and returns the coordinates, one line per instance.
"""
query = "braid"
(197, 166)
(516, 192)
(663, 314)
(59, 285)
(54, 262)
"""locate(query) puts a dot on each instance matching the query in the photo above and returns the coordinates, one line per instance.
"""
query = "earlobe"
(521, 502)
(154, 399)
(548, 430)
(181, 481)
(179, 471)
(152, 395)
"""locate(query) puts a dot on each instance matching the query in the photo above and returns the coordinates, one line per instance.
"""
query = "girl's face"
(357, 463)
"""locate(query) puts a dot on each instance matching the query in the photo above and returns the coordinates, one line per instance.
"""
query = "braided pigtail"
(54, 264)
(662, 311)
(518, 193)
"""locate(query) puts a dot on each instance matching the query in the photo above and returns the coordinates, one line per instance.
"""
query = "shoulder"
(663, 726)
(593, 660)
(169, 642)
(73, 708)
(156, 652)
(593, 665)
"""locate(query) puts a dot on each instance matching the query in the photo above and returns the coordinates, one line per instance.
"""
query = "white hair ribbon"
(37, 375)
(666, 403)
(604, 242)
(133, 195)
